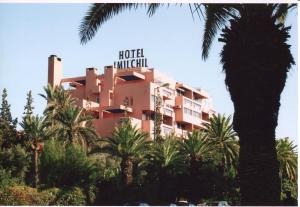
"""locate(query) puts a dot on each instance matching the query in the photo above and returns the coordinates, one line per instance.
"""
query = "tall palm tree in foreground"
(223, 139)
(36, 131)
(287, 157)
(256, 60)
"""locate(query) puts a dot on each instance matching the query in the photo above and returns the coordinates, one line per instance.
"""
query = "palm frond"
(281, 11)
(97, 14)
(152, 8)
(216, 16)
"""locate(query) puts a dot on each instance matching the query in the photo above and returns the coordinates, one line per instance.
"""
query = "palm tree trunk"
(193, 167)
(127, 171)
(127, 178)
(193, 181)
(256, 60)
(36, 170)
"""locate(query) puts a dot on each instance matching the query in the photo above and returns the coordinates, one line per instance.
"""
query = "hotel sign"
(131, 59)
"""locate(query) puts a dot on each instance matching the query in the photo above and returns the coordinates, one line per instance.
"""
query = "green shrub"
(288, 186)
(73, 196)
(6, 178)
(24, 195)
(51, 165)
(15, 161)
(69, 167)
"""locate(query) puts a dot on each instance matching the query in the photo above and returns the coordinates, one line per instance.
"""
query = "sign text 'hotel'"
(131, 59)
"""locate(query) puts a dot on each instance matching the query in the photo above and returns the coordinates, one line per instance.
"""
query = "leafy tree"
(28, 109)
(288, 186)
(158, 117)
(108, 182)
(14, 162)
(72, 197)
(75, 127)
(287, 157)
(257, 36)
(66, 167)
(35, 129)
(8, 131)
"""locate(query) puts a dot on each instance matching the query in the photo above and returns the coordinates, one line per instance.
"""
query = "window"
(179, 93)
(197, 106)
(196, 114)
(97, 99)
(169, 106)
(185, 110)
(188, 111)
(166, 93)
(188, 102)
(180, 126)
(199, 100)
(168, 112)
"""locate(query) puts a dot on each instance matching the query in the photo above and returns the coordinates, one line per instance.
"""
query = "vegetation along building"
(107, 96)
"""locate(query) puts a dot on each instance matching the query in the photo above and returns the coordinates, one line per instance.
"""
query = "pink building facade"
(183, 108)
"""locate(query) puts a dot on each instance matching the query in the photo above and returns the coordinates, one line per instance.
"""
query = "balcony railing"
(192, 104)
(166, 129)
(167, 112)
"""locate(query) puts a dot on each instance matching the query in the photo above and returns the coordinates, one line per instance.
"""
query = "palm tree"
(196, 147)
(168, 155)
(75, 127)
(287, 157)
(223, 139)
(58, 99)
(130, 145)
(36, 131)
(167, 161)
(256, 60)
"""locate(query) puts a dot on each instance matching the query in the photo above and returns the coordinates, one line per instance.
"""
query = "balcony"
(129, 75)
(148, 126)
(167, 94)
(188, 103)
(166, 129)
(107, 125)
(117, 109)
(89, 105)
(181, 132)
(167, 112)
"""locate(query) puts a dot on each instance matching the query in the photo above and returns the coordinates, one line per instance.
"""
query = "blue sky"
(171, 39)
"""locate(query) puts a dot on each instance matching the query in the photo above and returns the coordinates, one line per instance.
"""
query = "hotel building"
(183, 108)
